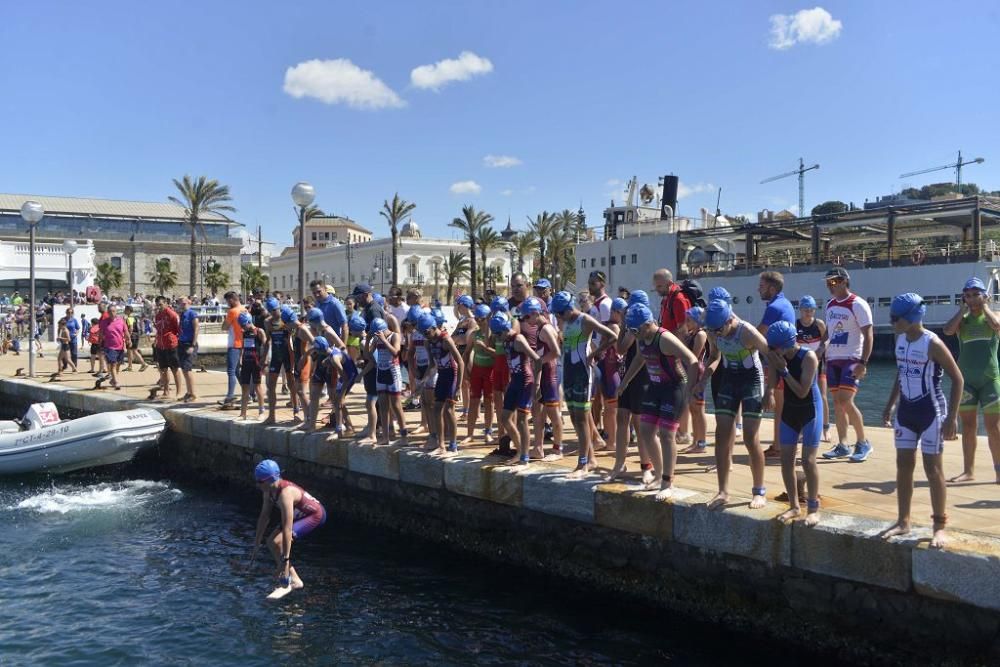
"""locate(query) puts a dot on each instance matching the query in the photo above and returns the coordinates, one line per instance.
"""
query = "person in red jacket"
(168, 331)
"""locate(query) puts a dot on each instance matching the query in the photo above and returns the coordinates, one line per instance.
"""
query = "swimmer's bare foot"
(899, 528)
(696, 448)
(579, 472)
(939, 539)
(826, 435)
(616, 473)
(757, 502)
(297, 584)
(790, 514)
(811, 519)
(647, 477)
(719, 501)
(665, 494)
(554, 456)
(438, 451)
(964, 477)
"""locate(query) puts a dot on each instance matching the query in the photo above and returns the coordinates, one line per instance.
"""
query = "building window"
(116, 262)
(282, 282)
(583, 263)
(623, 259)
(602, 261)
(333, 236)
(315, 236)
(635, 258)
(612, 260)
(592, 262)
(411, 269)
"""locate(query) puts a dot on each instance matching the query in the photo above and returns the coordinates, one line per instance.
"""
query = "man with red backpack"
(675, 301)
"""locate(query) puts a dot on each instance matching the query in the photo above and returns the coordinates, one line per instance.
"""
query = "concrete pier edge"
(838, 574)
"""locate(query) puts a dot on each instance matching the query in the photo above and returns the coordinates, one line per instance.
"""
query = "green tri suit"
(977, 360)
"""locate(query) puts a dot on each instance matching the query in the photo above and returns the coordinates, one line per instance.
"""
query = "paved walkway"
(865, 489)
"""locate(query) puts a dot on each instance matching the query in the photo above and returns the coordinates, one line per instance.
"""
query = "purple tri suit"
(549, 380)
(446, 386)
(663, 402)
(521, 389)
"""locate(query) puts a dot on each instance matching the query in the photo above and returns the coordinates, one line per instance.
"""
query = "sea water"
(108, 571)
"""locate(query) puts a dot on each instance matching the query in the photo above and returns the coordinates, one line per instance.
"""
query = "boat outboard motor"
(39, 415)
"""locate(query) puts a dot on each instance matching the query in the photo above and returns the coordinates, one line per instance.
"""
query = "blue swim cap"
(288, 315)
(465, 300)
(377, 325)
(696, 313)
(974, 283)
(356, 324)
(908, 306)
(637, 315)
(481, 311)
(638, 296)
(271, 303)
(439, 317)
(500, 323)
(267, 471)
(561, 302)
(530, 306)
(379, 299)
(618, 304)
(717, 314)
(425, 322)
(807, 302)
(314, 315)
(500, 304)
(414, 313)
(717, 293)
(244, 319)
(321, 344)
(781, 335)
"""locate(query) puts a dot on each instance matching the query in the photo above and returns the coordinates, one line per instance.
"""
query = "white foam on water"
(111, 495)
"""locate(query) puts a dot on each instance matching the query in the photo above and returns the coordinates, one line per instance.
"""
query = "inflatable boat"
(42, 442)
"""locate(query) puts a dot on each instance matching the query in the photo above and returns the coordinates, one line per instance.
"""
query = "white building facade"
(421, 264)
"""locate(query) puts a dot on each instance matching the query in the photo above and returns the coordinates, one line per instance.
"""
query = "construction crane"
(801, 172)
(957, 166)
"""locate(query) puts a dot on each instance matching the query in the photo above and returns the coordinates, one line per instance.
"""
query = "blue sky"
(113, 99)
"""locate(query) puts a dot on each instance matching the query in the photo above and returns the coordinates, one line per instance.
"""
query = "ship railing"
(877, 257)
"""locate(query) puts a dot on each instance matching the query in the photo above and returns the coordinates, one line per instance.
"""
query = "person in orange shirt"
(235, 346)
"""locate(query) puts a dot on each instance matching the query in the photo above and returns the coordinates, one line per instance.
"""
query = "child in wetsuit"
(252, 355)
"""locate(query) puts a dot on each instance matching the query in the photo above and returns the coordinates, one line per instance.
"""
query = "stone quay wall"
(835, 588)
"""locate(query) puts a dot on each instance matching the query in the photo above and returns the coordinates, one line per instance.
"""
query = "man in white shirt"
(849, 327)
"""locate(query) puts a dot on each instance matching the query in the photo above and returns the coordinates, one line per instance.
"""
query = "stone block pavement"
(858, 499)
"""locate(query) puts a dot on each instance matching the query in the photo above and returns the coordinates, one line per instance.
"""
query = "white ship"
(889, 247)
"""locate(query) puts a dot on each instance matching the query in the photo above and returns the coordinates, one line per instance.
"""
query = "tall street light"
(303, 195)
(32, 213)
(69, 247)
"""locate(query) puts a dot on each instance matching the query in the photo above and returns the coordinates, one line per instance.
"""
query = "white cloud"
(812, 26)
(340, 82)
(465, 188)
(501, 161)
(443, 72)
(612, 182)
(684, 190)
(507, 193)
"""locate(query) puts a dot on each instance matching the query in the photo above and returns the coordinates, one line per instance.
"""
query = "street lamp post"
(379, 268)
(508, 235)
(69, 247)
(303, 195)
(32, 213)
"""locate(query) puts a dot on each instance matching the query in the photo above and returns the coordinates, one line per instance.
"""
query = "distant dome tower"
(410, 230)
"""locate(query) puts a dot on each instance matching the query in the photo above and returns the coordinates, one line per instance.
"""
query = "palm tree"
(394, 213)
(163, 276)
(108, 277)
(455, 268)
(487, 239)
(252, 278)
(216, 278)
(470, 223)
(568, 220)
(525, 245)
(200, 198)
(561, 254)
(544, 226)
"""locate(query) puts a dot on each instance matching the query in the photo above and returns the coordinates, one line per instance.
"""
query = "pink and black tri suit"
(521, 388)
(446, 385)
(308, 513)
(663, 402)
